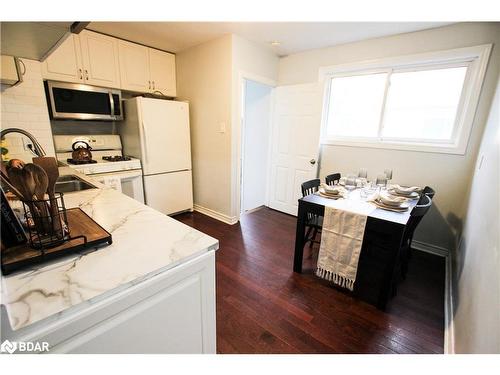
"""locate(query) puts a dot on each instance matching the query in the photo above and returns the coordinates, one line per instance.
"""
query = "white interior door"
(295, 148)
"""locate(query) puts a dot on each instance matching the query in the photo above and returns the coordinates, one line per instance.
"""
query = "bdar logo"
(8, 347)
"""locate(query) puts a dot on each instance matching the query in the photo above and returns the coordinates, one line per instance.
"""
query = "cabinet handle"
(86, 75)
(81, 74)
(153, 85)
(149, 85)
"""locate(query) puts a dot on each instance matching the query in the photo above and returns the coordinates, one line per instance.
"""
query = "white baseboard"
(428, 248)
(216, 215)
(449, 325)
(449, 333)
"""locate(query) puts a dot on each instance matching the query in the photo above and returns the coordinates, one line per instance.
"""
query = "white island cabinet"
(151, 291)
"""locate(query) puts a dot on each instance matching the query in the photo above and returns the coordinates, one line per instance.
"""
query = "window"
(423, 102)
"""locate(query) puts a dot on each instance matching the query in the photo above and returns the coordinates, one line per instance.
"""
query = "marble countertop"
(145, 243)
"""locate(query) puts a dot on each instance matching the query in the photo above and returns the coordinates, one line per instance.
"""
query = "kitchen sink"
(71, 183)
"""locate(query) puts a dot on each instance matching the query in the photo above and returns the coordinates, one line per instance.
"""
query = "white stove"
(103, 147)
(108, 166)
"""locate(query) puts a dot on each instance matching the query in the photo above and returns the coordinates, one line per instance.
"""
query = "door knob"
(312, 161)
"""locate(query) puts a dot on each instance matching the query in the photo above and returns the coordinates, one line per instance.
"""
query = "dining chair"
(416, 215)
(314, 222)
(332, 179)
(429, 192)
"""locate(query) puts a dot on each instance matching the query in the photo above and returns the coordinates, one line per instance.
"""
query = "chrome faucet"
(36, 149)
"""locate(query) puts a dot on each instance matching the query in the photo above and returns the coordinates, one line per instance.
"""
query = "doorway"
(255, 141)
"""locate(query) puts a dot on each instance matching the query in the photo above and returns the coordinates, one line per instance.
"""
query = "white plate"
(323, 194)
(403, 208)
(413, 195)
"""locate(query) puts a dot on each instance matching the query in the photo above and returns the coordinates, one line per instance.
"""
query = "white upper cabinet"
(101, 60)
(146, 69)
(101, 66)
(134, 67)
(162, 66)
(65, 63)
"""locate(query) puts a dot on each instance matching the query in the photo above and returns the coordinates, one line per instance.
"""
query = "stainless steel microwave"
(83, 102)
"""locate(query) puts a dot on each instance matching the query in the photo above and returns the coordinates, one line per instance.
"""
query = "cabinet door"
(65, 63)
(100, 59)
(162, 65)
(134, 66)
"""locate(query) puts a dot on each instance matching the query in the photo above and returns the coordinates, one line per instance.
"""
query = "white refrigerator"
(157, 132)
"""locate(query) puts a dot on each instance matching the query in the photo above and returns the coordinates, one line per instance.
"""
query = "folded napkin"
(335, 190)
(407, 190)
(391, 200)
(341, 241)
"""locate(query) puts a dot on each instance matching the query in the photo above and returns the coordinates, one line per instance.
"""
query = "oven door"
(84, 102)
(126, 182)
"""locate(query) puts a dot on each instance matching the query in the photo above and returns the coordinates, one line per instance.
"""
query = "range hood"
(35, 40)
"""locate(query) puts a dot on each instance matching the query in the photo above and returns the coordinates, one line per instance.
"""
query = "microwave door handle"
(112, 104)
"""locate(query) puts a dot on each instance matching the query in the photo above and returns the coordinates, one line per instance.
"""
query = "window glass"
(423, 104)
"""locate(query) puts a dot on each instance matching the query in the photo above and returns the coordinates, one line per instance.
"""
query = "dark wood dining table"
(378, 267)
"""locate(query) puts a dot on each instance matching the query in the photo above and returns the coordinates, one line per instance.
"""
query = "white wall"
(208, 76)
(24, 106)
(204, 78)
(448, 174)
(477, 262)
(255, 150)
(252, 61)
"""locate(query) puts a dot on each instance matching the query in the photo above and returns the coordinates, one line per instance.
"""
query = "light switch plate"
(222, 127)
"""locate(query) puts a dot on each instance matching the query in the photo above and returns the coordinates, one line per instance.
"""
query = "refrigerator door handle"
(145, 142)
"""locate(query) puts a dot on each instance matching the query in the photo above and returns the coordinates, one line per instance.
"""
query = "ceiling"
(293, 36)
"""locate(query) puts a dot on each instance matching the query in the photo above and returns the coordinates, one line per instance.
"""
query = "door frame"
(237, 136)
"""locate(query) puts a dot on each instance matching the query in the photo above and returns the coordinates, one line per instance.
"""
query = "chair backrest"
(428, 191)
(416, 215)
(332, 179)
(310, 186)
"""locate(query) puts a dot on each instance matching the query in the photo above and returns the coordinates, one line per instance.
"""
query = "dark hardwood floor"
(264, 307)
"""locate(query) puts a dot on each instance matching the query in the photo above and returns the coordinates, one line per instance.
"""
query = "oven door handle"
(111, 104)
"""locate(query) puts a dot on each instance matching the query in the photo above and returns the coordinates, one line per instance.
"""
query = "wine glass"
(363, 173)
(350, 182)
(381, 181)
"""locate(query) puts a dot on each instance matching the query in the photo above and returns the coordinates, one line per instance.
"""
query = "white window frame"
(476, 58)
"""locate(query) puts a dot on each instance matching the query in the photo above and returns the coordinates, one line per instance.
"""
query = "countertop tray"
(80, 224)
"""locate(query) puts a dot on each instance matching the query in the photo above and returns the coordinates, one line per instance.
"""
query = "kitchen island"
(151, 291)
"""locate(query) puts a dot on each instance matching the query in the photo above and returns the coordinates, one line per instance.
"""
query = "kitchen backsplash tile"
(25, 106)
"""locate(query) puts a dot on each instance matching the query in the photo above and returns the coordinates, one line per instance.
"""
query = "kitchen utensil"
(38, 183)
(81, 151)
(49, 165)
(15, 163)
(22, 181)
(6, 181)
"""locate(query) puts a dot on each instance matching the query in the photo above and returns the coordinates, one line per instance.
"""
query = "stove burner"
(116, 158)
(72, 161)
